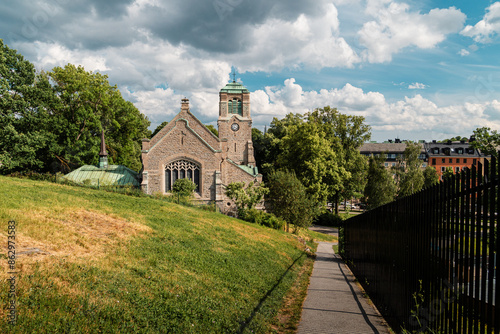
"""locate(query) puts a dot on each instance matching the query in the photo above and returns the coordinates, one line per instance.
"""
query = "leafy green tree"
(246, 197)
(351, 132)
(290, 200)
(158, 128)
(409, 173)
(487, 141)
(431, 177)
(87, 103)
(380, 187)
(308, 152)
(448, 173)
(213, 129)
(25, 122)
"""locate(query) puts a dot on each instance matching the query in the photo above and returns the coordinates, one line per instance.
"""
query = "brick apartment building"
(185, 148)
(456, 155)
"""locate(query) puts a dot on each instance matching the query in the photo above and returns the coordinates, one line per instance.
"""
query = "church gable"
(181, 137)
(195, 125)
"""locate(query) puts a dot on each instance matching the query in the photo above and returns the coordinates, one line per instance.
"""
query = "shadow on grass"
(247, 321)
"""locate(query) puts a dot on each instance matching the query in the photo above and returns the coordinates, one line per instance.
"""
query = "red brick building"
(456, 155)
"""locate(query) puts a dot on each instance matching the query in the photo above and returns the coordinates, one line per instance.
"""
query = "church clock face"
(235, 127)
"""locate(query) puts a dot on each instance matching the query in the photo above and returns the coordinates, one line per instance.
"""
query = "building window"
(465, 161)
(450, 160)
(234, 106)
(457, 169)
(443, 169)
(424, 165)
(434, 161)
(386, 164)
(182, 169)
(458, 160)
(443, 161)
(474, 162)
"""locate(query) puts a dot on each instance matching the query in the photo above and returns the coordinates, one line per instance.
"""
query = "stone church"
(185, 148)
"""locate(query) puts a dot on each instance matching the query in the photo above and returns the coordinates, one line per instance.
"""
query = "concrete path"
(334, 303)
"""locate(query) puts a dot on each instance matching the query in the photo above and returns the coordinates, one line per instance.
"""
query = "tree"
(25, 124)
(158, 128)
(409, 172)
(308, 152)
(87, 104)
(380, 187)
(351, 132)
(487, 141)
(431, 177)
(213, 129)
(290, 200)
(246, 197)
(448, 173)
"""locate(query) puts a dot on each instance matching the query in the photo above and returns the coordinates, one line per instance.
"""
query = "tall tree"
(380, 187)
(24, 119)
(487, 141)
(431, 177)
(346, 134)
(409, 171)
(87, 105)
(308, 152)
(289, 199)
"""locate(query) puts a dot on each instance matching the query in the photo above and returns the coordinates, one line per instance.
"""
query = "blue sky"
(414, 69)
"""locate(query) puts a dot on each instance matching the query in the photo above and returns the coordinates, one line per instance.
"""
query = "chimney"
(185, 105)
(103, 155)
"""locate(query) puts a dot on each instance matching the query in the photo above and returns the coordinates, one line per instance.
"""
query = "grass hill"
(90, 261)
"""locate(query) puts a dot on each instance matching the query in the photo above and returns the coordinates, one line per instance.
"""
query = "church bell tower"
(235, 124)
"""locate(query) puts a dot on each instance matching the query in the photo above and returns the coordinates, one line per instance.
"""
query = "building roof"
(234, 88)
(451, 149)
(113, 175)
(385, 147)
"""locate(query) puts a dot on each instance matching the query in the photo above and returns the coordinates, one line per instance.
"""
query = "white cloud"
(417, 85)
(464, 52)
(411, 116)
(311, 40)
(484, 30)
(395, 27)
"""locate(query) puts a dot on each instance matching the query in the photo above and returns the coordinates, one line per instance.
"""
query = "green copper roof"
(113, 175)
(234, 88)
(254, 171)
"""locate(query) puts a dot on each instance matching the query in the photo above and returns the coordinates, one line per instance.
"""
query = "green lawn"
(114, 263)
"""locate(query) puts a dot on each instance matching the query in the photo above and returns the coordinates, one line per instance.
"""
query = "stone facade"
(185, 148)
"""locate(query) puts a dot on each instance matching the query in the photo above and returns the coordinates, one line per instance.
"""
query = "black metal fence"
(429, 261)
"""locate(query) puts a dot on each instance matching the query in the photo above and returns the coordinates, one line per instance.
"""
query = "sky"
(417, 70)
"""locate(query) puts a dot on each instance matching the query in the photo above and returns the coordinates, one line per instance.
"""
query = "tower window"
(235, 106)
(182, 169)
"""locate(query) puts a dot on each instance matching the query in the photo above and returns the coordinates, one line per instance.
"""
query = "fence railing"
(429, 261)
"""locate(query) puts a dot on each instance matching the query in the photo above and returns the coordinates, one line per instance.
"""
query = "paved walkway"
(334, 303)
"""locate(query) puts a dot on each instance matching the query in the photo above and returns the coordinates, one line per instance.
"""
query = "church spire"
(103, 155)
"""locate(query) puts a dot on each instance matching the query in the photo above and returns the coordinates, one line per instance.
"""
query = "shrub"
(184, 187)
(328, 219)
(262, 218)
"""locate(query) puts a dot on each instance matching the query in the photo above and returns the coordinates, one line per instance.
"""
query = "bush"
(328, 219)
(33, 176)
(184, 187)
(262, 218)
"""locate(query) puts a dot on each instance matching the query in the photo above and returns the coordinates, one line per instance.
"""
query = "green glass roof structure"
(234, 88)
(113, 175)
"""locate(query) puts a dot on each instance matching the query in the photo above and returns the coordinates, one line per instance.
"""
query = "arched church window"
(235, 106)
(182, 169)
